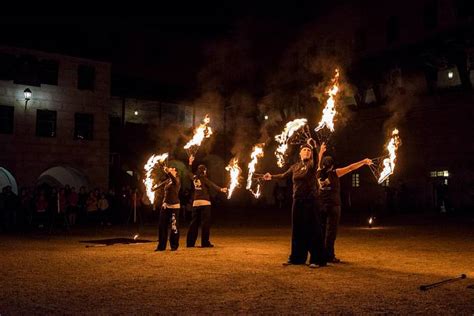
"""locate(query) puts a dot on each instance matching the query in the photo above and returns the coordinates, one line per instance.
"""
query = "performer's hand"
(191, 160)
(322, 150)
(368, 161)
(267, 176)
(224, 190)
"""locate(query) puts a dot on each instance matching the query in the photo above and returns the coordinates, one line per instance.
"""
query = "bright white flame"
(389, 163)
(329, 110)
(370, 220)
(135, 237)
(234, 172)
(283, 138)
(257, 153)
(203, 131)
(149, 181)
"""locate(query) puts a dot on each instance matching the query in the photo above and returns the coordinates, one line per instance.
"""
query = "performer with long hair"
(169, 212)
(330, 197)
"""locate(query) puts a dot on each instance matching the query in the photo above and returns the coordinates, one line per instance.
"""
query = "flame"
(136, 236)
(257, 152)
(234, 172)
(329, 110)
(389, 163)
(149, 181)
(370, 220)
(283, 138)
(203, 131)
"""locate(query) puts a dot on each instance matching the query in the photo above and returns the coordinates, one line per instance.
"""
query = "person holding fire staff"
(169, 212)
(330, 197)
(201, 213)
(306, 226)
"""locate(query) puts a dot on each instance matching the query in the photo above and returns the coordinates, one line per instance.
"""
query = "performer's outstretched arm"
(356, 165)
(267, 176)
(213, 185)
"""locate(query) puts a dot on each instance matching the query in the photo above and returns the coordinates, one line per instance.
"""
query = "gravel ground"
(381, 272)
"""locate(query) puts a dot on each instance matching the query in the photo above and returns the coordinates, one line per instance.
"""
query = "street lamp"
(27, 93)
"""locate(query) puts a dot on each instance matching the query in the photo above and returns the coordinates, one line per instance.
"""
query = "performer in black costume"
(306, 227)
(169, 212)
(201, 213)
(330, 197)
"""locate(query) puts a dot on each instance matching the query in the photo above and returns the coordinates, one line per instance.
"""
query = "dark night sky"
(167, 49)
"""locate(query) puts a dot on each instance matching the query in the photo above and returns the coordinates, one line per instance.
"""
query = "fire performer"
(330, 197)
(169, 212)
(306, 227)
(201, 213)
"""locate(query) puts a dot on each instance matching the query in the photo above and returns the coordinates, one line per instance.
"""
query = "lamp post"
(27, 93)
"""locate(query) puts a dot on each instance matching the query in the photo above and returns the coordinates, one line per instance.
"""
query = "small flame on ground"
(136, 236)
(329, 110)
(257, 153)
(203, 131)
(389, 163)
(234, 172)
(283, 138)
(149, 181)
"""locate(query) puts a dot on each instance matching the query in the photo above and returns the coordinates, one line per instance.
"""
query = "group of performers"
(316, 207)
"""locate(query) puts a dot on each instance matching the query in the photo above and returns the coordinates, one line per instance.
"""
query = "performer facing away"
(201, 213)
(169, 212)
(330, 197)
(306, 226)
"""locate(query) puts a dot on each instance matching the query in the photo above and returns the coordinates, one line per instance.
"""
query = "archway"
(7, 179)
(60, 176)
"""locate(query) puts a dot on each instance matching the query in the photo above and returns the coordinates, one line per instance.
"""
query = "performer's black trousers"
(306, 233)
(168, 219)
(200, 215)
(330, 215)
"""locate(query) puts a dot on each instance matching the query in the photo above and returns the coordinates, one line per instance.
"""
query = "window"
(6, 119)
(7, 66)
(355, 180)
(27, 71)
(439, 173)
(393, 29)
(430, 17)
(49, 72)
(85, 77)
(46, 123)
(83, 126)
